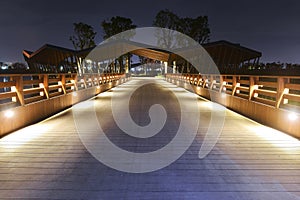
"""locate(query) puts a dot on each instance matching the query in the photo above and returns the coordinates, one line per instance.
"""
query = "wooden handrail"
(278, 91)
(28, 88)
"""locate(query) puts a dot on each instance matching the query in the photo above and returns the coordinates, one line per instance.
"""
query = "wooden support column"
(127, 63)
(188, 70)
(79, 63)
(166, 67)
(83, 66)
(174, 67)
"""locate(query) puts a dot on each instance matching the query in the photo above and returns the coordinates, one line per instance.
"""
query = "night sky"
(272, 27)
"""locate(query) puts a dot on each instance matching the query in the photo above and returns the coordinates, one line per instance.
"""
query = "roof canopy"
(224, 53)
(49, 54)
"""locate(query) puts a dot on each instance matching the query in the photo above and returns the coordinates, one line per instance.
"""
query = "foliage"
(117, 25)
(167, 19)
(84, 36)
(197, 28)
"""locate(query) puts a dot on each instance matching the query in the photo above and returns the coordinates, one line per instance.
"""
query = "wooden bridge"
(47, 160)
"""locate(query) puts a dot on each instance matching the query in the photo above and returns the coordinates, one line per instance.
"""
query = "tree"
(196, 28)
(84, 36)
(167, 19)
(117, 25)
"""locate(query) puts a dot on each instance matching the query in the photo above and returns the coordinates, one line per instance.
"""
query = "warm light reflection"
(178, 89)
(106, 94)
(84, 105)
(23, 136)
(214, 106)
(293, 116)
(275, 137)
(9, 114)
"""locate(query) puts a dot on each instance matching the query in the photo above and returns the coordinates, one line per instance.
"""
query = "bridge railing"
(276, 91)
(22, 89)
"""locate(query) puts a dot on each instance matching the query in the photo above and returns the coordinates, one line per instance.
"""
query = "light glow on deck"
(19, 138)
(9, 113)
(293, 116)
(275, 137)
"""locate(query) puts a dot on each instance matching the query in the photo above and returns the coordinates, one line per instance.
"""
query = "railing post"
(234, 84)
(75, 81)
(83, 81)
(211, 82)
(280, 90)
(46, 85)
(98, 79)
(204, 81)
(252, 86)
(63, 83)
(91, 80)
(19, 89)
(221, 83)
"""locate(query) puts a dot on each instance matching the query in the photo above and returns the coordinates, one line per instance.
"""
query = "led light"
(13, 88)
(286, 90)
(41, 86)
(9, 114)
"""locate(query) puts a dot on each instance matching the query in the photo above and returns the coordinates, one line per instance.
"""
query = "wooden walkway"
(250, 161)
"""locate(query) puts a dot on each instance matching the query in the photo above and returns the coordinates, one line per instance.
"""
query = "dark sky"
(272, 27)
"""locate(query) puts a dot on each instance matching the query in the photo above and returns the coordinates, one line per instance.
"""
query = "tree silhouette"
(117, 25)
(167, 19)
(84, 36)
(196, 28)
